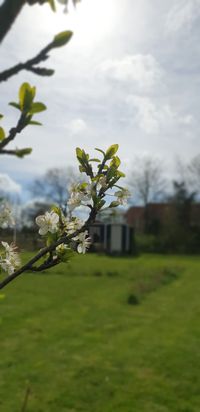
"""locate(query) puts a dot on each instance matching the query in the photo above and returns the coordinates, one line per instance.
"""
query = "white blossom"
(9, 260)
(6, 218)
(47, 222)
(74, 201)
(103, 182)
(74, 225)
(84, 242)
(122, 196)
(79, 195)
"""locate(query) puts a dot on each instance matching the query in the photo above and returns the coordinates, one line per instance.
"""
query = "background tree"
(194, 173)
(55, 184)
(147, 182)
(182, 200)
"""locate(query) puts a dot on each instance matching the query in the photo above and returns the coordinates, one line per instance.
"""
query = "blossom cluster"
(62, 232)
(54, 222)
(6, 218)
(9, 258)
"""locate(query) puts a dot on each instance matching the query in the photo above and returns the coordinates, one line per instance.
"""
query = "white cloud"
(77, 126)
(182, 15)
(153, 117)
(155, 71)
(142, 70)
(8, 185)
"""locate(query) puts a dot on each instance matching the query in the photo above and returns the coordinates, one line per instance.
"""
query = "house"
(156, 215)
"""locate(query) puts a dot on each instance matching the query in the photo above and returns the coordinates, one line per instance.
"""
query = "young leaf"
(15, 105)
(111, 172)
(52, 4)
(37, 107)
(111, 151)
(26, 95)
(95, 160)
(114, 204)
(61, 39)
(23, 152)
(121, 174)
(35, 123)
(42, 71)
(2, 134)
(101, 151)
(79, 153)
(115, 162)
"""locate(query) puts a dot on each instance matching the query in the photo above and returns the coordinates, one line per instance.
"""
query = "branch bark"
(29, 65)
(12, 133)
(8, 13)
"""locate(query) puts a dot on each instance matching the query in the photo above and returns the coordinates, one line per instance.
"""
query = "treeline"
(168, 219)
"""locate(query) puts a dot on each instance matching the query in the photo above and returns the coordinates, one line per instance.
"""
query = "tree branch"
(8, 13)
(29, 65)
(13, 132)
(48, 249)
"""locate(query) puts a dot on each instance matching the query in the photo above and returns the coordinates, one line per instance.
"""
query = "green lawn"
(71, 336)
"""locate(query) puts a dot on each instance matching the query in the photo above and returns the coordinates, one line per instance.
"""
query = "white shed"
(113, 238)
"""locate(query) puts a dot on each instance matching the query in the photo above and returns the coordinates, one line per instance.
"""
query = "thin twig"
(28, 65)
(9, 152)
(13, 132)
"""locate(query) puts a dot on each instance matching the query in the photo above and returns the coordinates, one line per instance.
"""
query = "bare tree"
(194, 173)
(189, 173)
(55, 184)
(147, 182)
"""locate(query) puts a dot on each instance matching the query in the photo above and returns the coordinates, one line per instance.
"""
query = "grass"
(72, 338)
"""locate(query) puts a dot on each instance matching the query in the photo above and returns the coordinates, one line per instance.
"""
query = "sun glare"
(91, 21)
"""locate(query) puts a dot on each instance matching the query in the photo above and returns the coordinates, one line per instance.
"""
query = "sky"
(130, 75)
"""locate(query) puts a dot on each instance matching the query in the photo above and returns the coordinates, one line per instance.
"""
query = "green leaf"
(85, 156)
(121, 174)
(1, 116)
(37, 107)
(114, 204)
(15, 105)
(61, 39)
(50, 238)
(23, 152)
(2, 134)
(35, 123)
(82, 169)
(111, 173)
(42, 71)
(115, 162)
(52, 4)
(111, 151)
(56, 209)
(95, 160)
(82, 186)
(101, 151)
(79, 153)
(26, 96)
